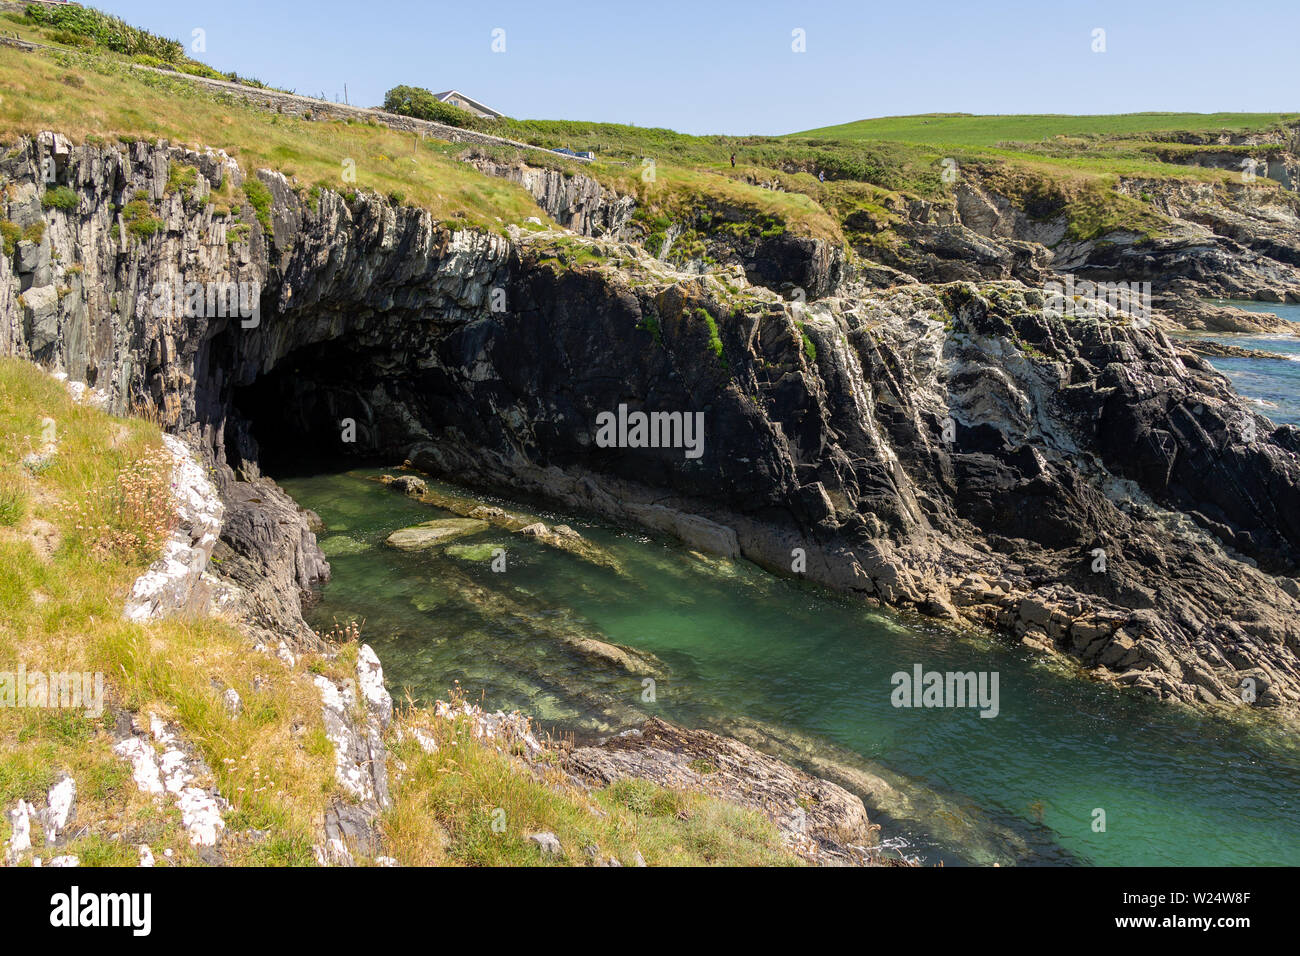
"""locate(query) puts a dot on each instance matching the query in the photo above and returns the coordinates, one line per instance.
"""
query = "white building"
(457, 98)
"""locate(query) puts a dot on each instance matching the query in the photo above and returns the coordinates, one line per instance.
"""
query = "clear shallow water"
(1273, 385)
(807, 676)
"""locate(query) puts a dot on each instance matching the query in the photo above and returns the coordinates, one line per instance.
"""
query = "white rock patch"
(500, 727)
(351, 754)
(360, 757)
(20, 841)
(370, 676)
(144, 764)
(175, 772)
(173, 581)
(60, 802)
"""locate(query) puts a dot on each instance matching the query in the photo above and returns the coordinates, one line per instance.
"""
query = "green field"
(964, 129)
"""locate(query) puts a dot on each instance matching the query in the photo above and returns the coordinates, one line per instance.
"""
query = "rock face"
(574, 201)
(360, 759)
(1079, 483)
(698, 242)
(269, 552)
(176, 581)
(1225, 240)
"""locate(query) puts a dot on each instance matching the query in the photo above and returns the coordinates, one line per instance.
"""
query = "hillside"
(963, 129)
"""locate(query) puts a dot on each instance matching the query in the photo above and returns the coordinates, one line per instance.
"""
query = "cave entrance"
(317, 410)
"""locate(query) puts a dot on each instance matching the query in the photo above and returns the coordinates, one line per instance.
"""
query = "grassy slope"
(445, 805)
(76, 533)
(97, 96)
(63, 580)
(1078, 159)
(960, 129)
(871, 173)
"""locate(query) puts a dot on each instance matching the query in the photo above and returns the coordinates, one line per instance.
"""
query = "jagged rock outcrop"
(575, 201)
(360, 760)
(1220, 240)
(167, 766)
(953, 448)
(800, 266)
(268, 551)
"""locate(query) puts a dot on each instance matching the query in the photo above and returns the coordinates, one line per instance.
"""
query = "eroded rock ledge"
(818, 819)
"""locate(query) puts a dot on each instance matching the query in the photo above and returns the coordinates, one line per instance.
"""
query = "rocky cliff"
(1192, 240)
(1080, 483)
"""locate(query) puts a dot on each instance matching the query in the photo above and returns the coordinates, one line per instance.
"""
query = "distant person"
(821, 175)
(733, 160)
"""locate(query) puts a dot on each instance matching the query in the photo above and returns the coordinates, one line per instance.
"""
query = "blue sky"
(728, 67)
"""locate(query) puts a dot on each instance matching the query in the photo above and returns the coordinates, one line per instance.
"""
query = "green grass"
(469, 804)
(10, 233)
(715, 339)
(96, 95)
(259, 197)
(60, 197)
(13, 505)
(962, 129)
(140, 220)
(181, 177)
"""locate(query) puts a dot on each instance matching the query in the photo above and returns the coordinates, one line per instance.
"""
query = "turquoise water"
(1273, 385)
(808, 676)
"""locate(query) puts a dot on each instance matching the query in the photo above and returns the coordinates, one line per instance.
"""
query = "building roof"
(447, 94)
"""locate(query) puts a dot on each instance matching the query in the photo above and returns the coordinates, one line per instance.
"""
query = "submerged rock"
(950, 820)
(560, 537)
(474, 552)
(431, 534)
(552, 624)
(340, 544)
